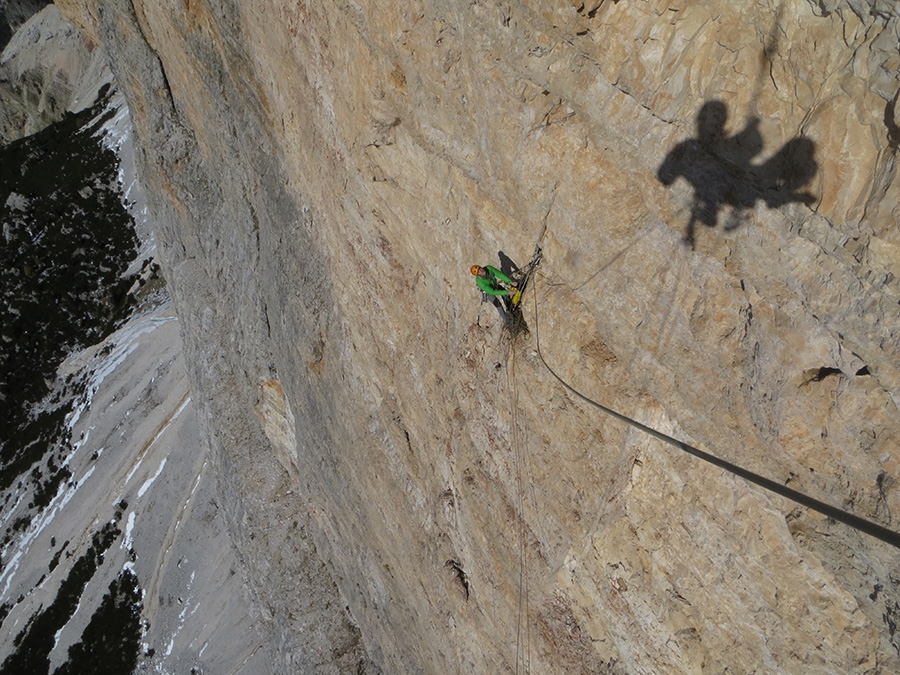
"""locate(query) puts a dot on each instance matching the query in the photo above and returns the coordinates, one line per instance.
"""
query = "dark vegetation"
(111, 641)
(67, 240)
(66, 243)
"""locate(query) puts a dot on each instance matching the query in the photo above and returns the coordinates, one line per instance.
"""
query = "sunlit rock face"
(718, 186)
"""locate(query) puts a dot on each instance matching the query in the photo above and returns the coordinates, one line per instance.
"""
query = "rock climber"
(495, 284)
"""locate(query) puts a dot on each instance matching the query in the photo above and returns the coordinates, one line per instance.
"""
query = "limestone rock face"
(716, 186)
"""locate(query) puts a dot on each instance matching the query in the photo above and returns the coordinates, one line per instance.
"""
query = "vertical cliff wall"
(719, 192)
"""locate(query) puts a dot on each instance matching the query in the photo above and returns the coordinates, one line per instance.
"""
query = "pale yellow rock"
(274, 413)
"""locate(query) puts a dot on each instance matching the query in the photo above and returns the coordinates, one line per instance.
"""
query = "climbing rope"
(523, 632)
(861, 524)
(523, 624)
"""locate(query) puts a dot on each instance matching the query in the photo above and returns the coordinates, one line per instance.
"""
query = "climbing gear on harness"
(523, 274)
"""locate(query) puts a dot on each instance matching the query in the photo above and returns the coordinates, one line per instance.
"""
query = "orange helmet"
(475, 269)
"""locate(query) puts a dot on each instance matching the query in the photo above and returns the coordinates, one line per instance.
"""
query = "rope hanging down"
(861, 524)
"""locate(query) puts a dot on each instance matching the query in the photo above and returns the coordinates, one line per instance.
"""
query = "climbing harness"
(494, 282)
(861, 524)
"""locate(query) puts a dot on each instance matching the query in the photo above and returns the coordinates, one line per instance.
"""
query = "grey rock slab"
(139, 461)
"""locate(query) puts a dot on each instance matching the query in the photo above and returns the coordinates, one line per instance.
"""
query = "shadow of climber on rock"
(723, 173)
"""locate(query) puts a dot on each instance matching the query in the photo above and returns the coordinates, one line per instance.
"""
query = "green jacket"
(491, 284)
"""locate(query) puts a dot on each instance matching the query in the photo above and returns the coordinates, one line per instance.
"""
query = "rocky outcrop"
(49, 69)
(13, 13)
(719, 193)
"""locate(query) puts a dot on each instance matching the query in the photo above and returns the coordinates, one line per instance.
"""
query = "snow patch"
(128, 540)
(126, 342)
(62, 497)
(117, 129)
(149, 481)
